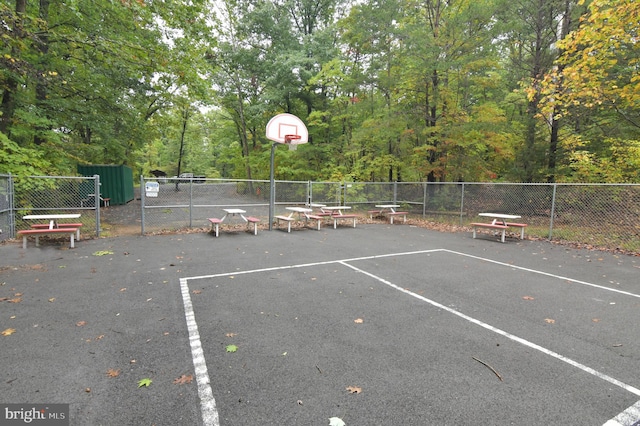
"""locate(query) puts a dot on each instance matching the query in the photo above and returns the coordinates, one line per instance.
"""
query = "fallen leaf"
(358, 320)
(196, 291)
(182, 380)
(144, 382)
(336, 421)
(8, 331)
(232, 348)
(81, 323)
(549, 321)
(113, 372)
(16, 300)
(528, 298)
(354, 389)
(231, 334)
(596, 320)
(53, 299)
(102, 252)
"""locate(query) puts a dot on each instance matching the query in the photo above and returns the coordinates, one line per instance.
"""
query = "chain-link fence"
(6, 207)
(601, 215)
(51, 195)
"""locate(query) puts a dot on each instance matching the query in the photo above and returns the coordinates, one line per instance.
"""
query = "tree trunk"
(8, 105)
(41, 83)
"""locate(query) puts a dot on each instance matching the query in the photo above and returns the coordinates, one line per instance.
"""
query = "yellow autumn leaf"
(8, 331)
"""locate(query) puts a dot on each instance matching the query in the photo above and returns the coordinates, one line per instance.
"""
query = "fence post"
(142, 194)
(395, 192)
(12, 211)
(462, 204)
(191, 202)
(553, 210)
(98, 196)
(424, 199)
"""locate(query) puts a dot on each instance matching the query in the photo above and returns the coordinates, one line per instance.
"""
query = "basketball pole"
(272, 186)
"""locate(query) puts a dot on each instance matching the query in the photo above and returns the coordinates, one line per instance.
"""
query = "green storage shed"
(116, 181)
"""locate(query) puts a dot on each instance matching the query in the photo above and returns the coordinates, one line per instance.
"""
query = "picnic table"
(52, 218)
(501, 222)
(388, 210)
(54, 226)
(233, 212)
(298, 214)
(336, 213)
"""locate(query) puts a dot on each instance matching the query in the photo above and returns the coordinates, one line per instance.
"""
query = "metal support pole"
(98, 196)
(462, 204)
(142, 196)
(272, 188)
(553, 210)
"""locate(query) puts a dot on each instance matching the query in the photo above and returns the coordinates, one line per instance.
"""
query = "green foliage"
(390, 90)
(22, 161)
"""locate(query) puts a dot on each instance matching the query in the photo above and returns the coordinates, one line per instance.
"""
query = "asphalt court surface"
(428, 327)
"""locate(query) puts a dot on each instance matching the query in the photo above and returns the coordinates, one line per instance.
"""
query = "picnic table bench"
(44, 231)
(388, 210)
(250, 220)
(499, 222)
(53, 226)
(302, 214)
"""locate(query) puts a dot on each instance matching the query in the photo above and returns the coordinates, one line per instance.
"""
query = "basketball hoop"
(292, 141)
(286, 129)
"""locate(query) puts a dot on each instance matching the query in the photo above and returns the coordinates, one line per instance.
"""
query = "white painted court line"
(629, 417)
(208, 405)
(560, 277)
(207, 401)
(503, 333)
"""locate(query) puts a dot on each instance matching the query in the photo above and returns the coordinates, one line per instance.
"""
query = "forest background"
(390, 90)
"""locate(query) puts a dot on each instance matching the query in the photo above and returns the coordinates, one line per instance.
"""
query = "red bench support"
(76, 226)
(318, 218)
(503, 228)
(37, 232)
(518, 225)
(337, 217)
(254, 221)
(403, 214)
(215, 222)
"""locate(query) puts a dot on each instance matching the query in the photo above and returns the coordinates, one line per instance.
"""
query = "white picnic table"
(391, 207)
(234, 212)
(52, 218)
(334, 209)
(302, 212)
(230, 213)
(499, 218)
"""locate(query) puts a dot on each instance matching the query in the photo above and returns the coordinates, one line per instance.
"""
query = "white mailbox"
(151, 189)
